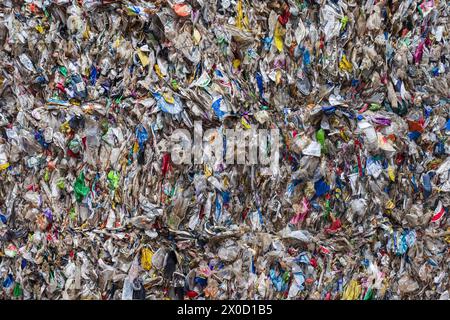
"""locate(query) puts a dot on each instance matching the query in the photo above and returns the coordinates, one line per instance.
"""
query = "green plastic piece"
(81, 190)
(113, 178)
(63, 71)
(17, 290)
(320, 136)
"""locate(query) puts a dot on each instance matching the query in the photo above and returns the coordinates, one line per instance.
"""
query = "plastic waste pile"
(92, 206)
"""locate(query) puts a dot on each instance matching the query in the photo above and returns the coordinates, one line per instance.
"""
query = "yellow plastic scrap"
(352, 291)
(135, 147)
(158, 71)
(278, 77)
(236, 63)
(146, 258)
(197, 37)
(384, 288)
(447, 238)
(40, 29)
(65, 127)
(245, 124)
(240, 14)
(86, 33)
(390, 204)
(344, 136)
(338, 193)
(168, 98)
(4, 166)
(345, 64)
(143, 57)
(391, 173)
(226, 182)
(208, 171)
(117, 43)
(278, 36)
(191, 78)
(74, 102)
(123, 164)
(309, 189)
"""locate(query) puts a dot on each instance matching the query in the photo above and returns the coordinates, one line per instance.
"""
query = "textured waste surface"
(92, 205)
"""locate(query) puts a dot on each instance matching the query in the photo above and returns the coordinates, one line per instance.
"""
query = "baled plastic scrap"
(92, 205)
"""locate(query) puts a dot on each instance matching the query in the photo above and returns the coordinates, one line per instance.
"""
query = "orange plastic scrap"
(182, 9)
(415, 126)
